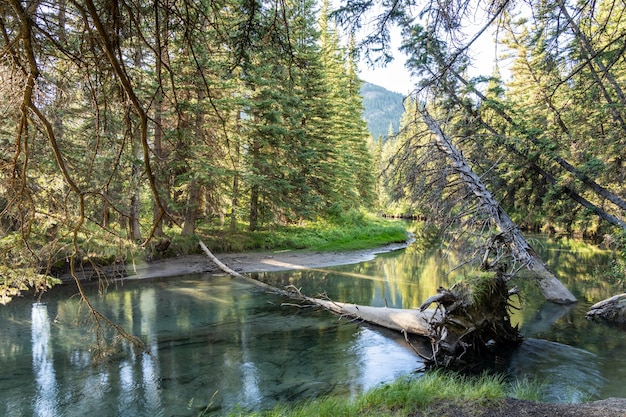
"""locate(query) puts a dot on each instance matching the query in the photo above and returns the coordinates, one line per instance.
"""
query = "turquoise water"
(217, 343)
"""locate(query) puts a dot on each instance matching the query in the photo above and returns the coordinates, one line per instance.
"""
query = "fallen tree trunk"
(469, 324)
(552, 289)
(407, 321)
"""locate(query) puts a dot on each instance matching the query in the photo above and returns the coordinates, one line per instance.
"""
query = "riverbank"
(444, 394)
(245, 263)
(512, 407)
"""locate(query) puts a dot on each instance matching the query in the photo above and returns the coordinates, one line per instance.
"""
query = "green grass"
(404, 396)
(353, 230)
(349, 233)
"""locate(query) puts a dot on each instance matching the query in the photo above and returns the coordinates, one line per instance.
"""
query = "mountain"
(381, 108)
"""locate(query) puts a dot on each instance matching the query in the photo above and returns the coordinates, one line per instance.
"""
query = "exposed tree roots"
(474, 325)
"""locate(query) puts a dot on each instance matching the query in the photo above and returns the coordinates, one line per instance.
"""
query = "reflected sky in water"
(46, 400)
(217, 343)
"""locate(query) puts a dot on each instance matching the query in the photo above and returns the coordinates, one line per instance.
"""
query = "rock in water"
(612, 310)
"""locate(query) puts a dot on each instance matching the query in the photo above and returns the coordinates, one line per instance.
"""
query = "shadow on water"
(217, 343)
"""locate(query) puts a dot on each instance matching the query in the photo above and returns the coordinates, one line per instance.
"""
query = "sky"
(395, 77)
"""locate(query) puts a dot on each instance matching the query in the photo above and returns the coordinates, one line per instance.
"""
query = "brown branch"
(143, 117)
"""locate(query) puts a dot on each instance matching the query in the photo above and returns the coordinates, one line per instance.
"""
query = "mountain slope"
(381, 108)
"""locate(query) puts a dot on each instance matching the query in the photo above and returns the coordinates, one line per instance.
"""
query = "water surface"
(217, 343)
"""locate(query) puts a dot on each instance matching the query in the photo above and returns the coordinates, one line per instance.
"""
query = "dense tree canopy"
(132, 120)
(547, 137)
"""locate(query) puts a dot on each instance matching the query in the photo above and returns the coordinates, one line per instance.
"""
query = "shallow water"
(217, 343)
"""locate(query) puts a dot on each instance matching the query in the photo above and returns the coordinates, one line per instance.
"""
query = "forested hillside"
(382, 110)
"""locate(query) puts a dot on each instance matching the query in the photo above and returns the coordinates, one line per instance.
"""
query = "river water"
(217, 343)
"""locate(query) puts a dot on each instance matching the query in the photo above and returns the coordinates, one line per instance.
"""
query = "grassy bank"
(349, 232)
(428, 393)
(46, 253)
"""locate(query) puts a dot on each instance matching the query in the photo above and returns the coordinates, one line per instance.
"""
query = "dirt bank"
(510, 407)
(241, 262)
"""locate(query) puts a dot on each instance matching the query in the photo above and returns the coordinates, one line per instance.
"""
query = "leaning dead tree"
(509, 236)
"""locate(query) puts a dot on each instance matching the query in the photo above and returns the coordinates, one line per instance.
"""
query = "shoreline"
(244, 263)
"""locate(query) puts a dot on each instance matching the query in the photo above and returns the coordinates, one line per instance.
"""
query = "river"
(217, 343)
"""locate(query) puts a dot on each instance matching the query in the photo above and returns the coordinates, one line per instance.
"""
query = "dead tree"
(468, 325)
(510, 236)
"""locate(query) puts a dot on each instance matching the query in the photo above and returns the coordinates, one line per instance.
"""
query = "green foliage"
(527, 389)
(617, 270)
(478, 287)
(250, 112)
(15, 281)
(548, 142)
(355, 231)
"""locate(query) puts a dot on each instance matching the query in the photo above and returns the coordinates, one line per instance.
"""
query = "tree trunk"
(470, 323)
(550, 286)
(253, 217)
(410, 321)
(234, 203)
(134, 211)
(157, 217)
(191, 210)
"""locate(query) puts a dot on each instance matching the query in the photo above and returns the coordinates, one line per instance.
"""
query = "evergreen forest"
(138, 122)
(131, 122)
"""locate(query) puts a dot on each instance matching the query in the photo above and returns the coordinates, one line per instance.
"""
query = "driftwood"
(407, 321)
(470, 321)
(612, 310)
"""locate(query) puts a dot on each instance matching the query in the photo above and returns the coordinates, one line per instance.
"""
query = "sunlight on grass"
(352, 233)
(404, 396)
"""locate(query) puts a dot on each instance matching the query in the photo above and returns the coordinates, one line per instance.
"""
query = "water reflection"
(568, 374)
(217, 343)
(46, 398)
(400, 279)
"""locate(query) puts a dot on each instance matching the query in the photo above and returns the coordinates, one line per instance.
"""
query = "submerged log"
(611, 310)
(406, 321)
